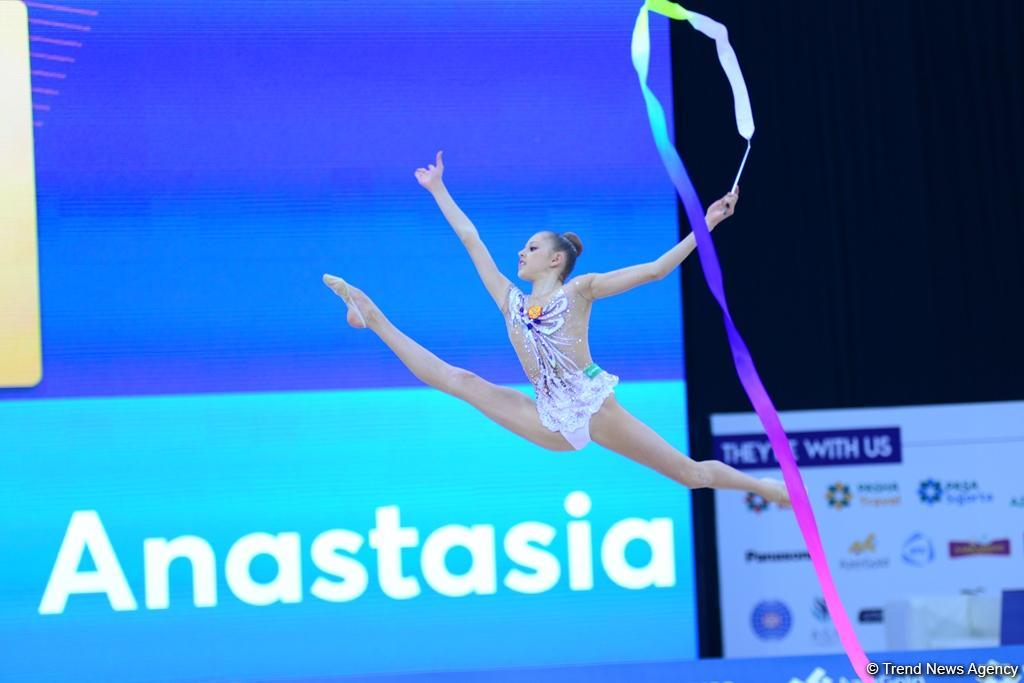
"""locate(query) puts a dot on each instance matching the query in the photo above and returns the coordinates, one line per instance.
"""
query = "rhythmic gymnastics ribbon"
(744, 362)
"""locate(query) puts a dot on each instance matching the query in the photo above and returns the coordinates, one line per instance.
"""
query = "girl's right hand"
(722, 209)
(430, 177)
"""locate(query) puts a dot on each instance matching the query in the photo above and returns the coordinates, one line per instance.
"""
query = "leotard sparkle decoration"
(749, 378)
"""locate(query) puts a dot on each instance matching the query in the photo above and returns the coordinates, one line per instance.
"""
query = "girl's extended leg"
(617, 430)
(508, 407)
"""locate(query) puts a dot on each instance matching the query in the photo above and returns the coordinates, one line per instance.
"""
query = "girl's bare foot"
(357, 302)
(775, 491)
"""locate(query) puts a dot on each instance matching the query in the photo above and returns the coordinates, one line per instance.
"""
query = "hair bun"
(575, 240)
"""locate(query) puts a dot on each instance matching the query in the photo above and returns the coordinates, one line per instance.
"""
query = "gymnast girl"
(575, 400)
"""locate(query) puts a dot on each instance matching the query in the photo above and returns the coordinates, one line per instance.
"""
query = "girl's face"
(536, 257)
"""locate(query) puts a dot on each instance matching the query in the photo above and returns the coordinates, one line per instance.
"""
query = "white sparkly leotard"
(551, 342)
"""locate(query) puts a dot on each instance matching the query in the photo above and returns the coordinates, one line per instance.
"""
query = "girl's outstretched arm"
(601, 285)
(494, 281)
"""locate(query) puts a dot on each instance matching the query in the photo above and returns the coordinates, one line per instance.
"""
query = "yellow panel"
(21, 353)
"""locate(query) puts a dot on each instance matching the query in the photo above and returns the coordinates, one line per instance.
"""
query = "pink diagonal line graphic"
(60, 24)
(48, 74)
(53, 58)
(46, 91)
(62, 8)
(54, 41)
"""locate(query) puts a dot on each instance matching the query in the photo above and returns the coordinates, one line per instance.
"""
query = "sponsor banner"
(935, 500)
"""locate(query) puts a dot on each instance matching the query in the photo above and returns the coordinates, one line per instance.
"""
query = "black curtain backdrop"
(877, 254)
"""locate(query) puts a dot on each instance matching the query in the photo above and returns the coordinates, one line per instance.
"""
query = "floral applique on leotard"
(550, 338)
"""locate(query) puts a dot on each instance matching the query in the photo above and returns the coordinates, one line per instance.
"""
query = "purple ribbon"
(742, 359)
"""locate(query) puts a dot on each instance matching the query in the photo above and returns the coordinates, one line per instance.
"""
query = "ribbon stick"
(736, 183)
(742, 359)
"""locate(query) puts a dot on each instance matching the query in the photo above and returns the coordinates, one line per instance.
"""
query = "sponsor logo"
(879, 493)
(771, 620)
(777, 556)
(822, 632)
(871, 615)
(839, 496)
(865, 546)
(864, 555)
(819, 610)
(929, 491)
(756, 503)
(952, 492)
(999, 547)
(918, 550)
